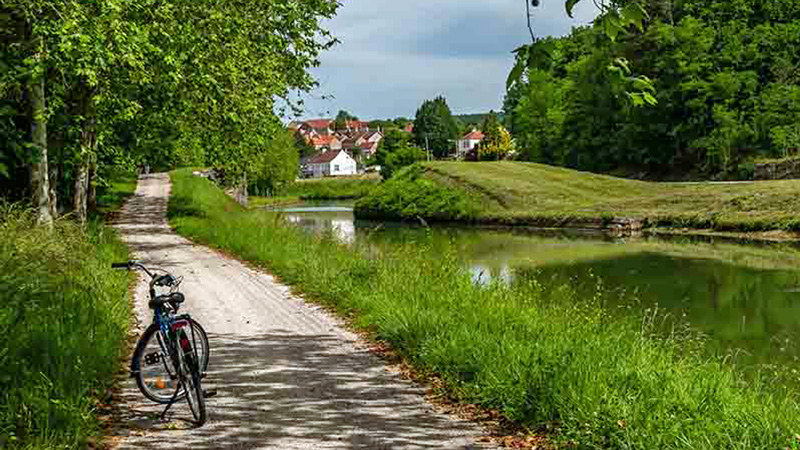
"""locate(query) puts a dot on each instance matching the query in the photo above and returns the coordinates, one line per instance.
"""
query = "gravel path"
(288, 375)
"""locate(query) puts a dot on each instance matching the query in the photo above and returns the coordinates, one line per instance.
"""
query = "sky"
(394, 54)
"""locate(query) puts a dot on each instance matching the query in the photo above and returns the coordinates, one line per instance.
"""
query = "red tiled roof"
(358, 124)
(324, 158)
(318, 124)
(322, 140)
(409, 128)
(473, 136)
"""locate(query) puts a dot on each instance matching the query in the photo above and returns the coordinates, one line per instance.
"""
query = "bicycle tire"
(138, 364)
(191, 380)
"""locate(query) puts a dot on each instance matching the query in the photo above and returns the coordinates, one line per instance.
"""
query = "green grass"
(534, 194)
(541, 354)
(340, 188)
(63, 320)
(112, 196)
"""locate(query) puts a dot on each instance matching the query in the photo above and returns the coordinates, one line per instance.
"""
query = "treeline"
(727, 79)
(91, 88)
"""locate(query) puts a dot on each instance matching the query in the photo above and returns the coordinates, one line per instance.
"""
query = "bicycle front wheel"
(191, 379)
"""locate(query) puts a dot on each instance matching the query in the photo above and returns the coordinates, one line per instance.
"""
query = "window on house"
(336, 168)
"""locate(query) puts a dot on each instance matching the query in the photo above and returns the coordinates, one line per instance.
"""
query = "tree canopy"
(435, 127)
(727, 82)
(128, 82)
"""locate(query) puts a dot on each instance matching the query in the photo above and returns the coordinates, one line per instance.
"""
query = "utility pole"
(427, 147)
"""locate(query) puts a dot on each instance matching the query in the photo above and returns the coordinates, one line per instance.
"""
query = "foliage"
(179, 82)
(402, 157)
(394, 140)
(276, 165)
(435, 128)
(497, 143)
(342, 118)
(726, 84)
(64, 316)
(541, 354)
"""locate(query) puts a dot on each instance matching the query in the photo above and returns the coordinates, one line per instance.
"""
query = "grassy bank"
(64, 317)
(539, 353)
(539, 195)
(321, 189)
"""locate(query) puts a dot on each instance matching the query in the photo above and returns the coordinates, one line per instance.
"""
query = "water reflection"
(742, 297)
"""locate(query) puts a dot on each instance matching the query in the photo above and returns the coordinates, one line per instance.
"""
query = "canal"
(742, 299)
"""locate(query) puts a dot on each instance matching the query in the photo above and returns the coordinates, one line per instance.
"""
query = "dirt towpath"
(288, 375)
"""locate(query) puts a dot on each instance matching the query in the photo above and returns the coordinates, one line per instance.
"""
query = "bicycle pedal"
(209, 393)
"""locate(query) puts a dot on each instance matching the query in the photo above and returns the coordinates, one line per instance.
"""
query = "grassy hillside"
(542, 354)
(534, 194)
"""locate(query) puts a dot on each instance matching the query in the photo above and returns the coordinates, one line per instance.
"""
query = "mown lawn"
(514, 192)
(543, 355)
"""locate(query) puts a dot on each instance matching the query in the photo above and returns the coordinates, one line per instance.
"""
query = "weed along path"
(288, 375)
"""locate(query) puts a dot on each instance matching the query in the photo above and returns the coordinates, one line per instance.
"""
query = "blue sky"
(396, 53)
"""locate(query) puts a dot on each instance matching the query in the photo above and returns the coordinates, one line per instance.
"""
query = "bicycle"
(165, 356)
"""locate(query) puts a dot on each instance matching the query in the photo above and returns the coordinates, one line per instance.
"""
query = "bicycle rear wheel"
(156, 376)
(191, 379)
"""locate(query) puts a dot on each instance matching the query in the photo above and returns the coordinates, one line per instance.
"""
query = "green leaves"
(570, 6)
(633, 14)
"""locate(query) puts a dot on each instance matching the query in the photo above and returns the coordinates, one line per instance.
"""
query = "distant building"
(468, 142)
(409, 128)
(319, 127)
(332, 164)
(325, 143)
(356, 126)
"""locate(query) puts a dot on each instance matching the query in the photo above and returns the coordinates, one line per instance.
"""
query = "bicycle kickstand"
(171, 401)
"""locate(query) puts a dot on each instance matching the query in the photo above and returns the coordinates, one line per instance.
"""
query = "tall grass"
(543, 355)
(63, 321)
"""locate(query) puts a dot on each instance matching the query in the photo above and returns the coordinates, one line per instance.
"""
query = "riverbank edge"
(208, 227)
(369, 209)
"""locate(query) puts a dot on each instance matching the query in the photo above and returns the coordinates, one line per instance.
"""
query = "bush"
(410, 196)
(63, 320)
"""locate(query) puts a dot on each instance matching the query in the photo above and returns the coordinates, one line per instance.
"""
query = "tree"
(497, 143)
(342, 118)
(276, 165)
(727, 84)
(128, 81)
(393, 140)
(434, 127)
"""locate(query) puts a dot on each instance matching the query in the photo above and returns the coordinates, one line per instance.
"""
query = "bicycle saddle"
(176, 298)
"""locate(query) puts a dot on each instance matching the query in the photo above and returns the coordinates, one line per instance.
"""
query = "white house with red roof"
(332, 164)
(468, 142)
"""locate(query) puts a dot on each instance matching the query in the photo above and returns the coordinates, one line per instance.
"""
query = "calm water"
(744, 297)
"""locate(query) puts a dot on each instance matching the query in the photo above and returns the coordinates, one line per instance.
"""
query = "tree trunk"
(40, 184)
(91, 201)
(88, 145)
(54, 172)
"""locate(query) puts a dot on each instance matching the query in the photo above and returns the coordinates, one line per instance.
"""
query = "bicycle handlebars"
(155, 280)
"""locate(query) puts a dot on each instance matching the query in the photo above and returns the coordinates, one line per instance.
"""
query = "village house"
(467, 143)
(313, 127)
(325, 143)
(332, 164)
